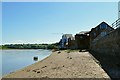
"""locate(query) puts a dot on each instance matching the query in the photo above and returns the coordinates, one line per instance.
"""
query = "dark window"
(103, 33)
(81, 37)
(96, 28)
(94, 34)
(103, 26)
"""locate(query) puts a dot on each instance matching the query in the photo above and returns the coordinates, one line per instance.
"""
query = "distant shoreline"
(25, 49)
(30, 46)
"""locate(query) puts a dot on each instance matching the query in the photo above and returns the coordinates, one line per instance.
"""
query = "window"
(81, 37)
(103, 33)
(96, 29)
(94, 34)
(103, 26)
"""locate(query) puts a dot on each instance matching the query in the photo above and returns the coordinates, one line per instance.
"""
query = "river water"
(12, 60)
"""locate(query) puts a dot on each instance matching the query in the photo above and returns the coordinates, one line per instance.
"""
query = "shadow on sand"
(110, 64)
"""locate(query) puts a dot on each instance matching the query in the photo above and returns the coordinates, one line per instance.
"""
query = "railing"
(116, 24)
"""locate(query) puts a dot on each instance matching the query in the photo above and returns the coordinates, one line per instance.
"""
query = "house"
(71, 43)
(118, 9)
(64, 40)
(82, 40)
(99, 31)
(116, 24)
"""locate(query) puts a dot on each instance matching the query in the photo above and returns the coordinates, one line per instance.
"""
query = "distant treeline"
(30, 46)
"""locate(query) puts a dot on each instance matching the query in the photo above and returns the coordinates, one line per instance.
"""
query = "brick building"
(82, 40)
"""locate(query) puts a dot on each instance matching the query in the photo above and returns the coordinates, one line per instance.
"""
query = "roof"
(67, 35)
(83, 32)
(100, 24)
(105, 23)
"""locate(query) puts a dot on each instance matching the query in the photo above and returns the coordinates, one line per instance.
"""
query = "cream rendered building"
(118, 14)
(116, 24)
(119, 9)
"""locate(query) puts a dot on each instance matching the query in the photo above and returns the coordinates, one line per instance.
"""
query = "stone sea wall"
(108, 45)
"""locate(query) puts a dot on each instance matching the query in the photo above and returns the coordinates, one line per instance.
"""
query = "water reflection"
(16, 59)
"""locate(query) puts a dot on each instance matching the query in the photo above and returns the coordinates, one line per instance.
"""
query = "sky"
(45, 22)
(60, 0)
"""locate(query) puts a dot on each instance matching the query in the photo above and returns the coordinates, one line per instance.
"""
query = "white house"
(116, 24)
(119, 9)
(119, 14)
(64, 40)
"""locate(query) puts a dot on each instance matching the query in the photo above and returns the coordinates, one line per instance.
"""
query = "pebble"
(38, 72)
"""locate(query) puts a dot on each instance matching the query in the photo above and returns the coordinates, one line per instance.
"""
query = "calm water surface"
(16, 59)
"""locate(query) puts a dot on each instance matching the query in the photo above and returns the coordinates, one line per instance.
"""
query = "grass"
(2, 47)
(69, 50)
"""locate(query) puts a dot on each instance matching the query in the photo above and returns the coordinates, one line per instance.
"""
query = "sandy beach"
(62, 65)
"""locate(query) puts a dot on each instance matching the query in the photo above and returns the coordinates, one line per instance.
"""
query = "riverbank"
(62, 65)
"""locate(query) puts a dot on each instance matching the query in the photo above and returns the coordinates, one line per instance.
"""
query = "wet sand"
(62, 65)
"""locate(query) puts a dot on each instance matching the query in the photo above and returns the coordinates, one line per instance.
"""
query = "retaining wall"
(108, 45)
